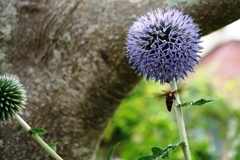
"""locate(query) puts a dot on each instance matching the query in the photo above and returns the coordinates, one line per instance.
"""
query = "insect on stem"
(170, 98)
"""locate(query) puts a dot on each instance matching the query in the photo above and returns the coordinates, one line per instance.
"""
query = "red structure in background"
(225, 59)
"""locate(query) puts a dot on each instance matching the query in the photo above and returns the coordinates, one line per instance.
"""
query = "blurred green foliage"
(142, 121)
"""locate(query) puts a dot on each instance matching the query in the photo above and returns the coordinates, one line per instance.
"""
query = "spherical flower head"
(12, 97)
(163, 45)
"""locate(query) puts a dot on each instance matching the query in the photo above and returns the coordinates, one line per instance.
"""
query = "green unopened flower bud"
(12, 97)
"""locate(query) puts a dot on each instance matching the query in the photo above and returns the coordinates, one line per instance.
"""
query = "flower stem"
(180, 122)
(37, 138)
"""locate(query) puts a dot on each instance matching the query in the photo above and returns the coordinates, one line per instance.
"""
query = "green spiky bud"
(12, 97)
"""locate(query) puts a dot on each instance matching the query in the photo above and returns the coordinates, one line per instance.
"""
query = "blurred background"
(142, 121)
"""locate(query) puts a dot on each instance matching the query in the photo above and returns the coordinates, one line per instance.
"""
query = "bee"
(170, 97)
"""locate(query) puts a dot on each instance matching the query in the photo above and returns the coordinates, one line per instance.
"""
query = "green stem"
(37, 138)
(180, 122)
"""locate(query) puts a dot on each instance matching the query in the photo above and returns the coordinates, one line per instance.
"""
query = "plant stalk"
(180, 122)
(37, 138)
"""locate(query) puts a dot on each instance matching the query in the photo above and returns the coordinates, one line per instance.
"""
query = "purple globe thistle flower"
(163, 45)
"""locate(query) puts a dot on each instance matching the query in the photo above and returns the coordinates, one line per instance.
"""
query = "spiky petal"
(12, 97)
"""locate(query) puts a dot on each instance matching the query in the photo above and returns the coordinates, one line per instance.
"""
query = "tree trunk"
(70, 56)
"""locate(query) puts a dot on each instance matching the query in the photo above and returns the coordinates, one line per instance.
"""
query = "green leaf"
(38, 131)
(52, 145)
(185, 104)
(112, 151)
(201, 102)
(195, 103)
(163, 153)
(150, 157)
(157, 151)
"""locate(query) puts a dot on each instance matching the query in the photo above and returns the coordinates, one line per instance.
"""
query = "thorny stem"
(180, 122)
(37, 138)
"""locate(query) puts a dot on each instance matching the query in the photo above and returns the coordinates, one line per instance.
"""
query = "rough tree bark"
(70, 56)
